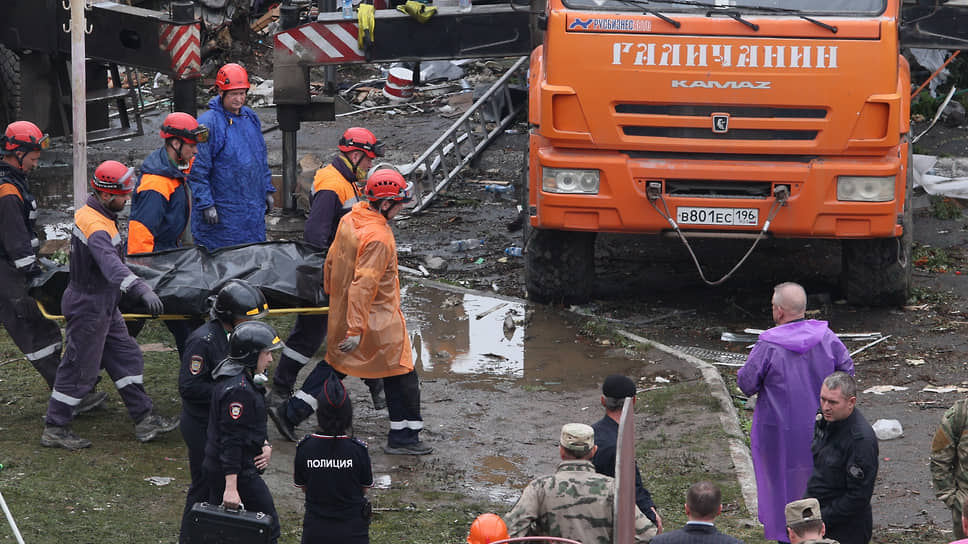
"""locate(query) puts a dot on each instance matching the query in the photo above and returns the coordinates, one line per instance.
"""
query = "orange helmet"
(24, 136)
(387, 183)
(361, 139)
(113, 177)
(487, 528)
(231, 76)
(184, 127)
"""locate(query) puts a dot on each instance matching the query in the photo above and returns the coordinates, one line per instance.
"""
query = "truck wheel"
(878, 272)
(10, 95)
(560, 266)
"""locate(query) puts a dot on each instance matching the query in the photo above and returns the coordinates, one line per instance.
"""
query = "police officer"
(237, 449)
(96, 335)
(236, 302)
(333, 470)
(159, 207)
(336, 188)
(37, 337)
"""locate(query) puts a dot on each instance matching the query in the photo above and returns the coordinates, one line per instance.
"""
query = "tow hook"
(781, 193)
(653, 190)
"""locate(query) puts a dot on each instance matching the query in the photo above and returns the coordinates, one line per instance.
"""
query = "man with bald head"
(786, 370)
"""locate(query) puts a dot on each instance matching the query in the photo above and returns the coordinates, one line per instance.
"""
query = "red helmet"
(113, 177)
(487, 528)
(24, 136)
(387, 183)
(231, 76)
(184, 127)
(358, 138)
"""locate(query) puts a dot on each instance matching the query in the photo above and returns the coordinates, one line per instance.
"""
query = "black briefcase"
(211, 524)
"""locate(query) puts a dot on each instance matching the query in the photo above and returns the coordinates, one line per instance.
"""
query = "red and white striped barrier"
(183, 43)
(321, 43)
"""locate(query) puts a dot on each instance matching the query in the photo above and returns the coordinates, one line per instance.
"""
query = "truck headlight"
(865, 188)
(567, 180)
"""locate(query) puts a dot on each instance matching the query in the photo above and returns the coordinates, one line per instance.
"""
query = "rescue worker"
(37, 337)
(237, 449)
(159, 207)
(367, 334)
(336, 188)
(96, 336)
(333, 470)
(236, 302)
(230, 179)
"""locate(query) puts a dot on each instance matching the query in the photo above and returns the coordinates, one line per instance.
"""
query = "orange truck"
(738, 118)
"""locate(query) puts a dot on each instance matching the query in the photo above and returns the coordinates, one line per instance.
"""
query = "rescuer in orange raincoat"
(367, 335)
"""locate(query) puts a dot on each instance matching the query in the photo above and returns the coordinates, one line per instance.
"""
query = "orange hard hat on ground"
(184, 127)
(487, 528)
(24, 136)
(113, 177)
(231, 76)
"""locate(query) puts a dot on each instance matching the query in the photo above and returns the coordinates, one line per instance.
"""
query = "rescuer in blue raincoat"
(230, 179)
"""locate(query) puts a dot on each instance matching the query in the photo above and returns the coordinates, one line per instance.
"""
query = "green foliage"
(943, 207)
(932, 259)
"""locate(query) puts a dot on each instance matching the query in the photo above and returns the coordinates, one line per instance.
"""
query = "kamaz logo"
(686, 84)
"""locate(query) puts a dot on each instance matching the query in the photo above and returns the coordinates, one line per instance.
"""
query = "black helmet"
(239, 299)
(249, 339)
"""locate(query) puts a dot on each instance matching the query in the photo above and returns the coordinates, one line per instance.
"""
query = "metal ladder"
(464, 140)
(118, 94)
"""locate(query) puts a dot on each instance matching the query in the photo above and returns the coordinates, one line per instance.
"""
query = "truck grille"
(718, 189)
(668, 127)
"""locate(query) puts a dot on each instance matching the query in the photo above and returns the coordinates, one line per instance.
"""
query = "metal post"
(288, 117)
(329, 6)
(79, 101)
(184, 90)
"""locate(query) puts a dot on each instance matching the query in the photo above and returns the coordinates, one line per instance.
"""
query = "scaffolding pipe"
(79, 101)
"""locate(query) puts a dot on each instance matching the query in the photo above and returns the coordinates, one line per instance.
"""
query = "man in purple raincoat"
(786, 368)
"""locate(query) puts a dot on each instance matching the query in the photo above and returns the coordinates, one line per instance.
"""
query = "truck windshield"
(795, 8)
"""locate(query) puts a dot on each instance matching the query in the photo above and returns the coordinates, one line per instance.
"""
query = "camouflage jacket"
(949, 456)
(575, 502)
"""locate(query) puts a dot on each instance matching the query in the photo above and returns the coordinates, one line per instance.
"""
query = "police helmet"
(239, 299)
(251, 338)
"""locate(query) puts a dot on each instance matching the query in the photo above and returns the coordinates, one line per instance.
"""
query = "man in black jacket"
(844, 462)
(703, 504)
(615, 389)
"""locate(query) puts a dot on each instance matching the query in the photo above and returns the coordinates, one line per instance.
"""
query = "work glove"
(270, 202)
(210, 215)
(153, 303)
(349, 343)
(418, 10)
(364, 16)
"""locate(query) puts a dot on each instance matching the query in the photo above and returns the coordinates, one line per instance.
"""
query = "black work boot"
(152, 425)
(90, 401)
(286, 428)
(62, 437)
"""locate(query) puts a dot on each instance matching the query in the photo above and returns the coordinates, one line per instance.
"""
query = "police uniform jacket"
(844, 469)
(18, 215)
(332, 470)
(159, 206)
(236, 426)
(334, 193)
(204, 348)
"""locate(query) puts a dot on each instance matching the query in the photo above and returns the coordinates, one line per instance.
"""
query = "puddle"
(458, 335)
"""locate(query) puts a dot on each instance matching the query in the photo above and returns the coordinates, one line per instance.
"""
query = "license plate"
(743, 217)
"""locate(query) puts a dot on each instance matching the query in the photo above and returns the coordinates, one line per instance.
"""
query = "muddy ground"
(493, 403)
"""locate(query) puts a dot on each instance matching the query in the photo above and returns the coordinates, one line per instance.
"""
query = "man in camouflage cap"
(949, 462)
(557, 504)
(804, 524)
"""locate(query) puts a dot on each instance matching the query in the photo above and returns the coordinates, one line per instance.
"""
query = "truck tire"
(11, 98)
(878, 272)
(560, 266)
